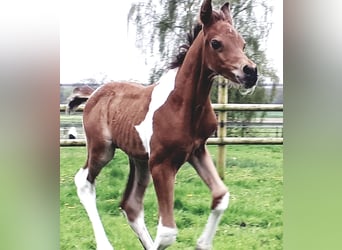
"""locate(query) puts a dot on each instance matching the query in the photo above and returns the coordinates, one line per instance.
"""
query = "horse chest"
(205, 122)
(182, 131)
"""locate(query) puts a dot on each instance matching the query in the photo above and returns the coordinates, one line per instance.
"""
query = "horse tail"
(75, 102)
(79, 96)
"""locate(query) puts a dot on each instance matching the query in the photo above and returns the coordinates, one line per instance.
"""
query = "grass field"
(252, 221)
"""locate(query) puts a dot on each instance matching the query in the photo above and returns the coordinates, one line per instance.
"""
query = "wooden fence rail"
(211, 141)
(221, 140)
(247, 107)
(218, 107)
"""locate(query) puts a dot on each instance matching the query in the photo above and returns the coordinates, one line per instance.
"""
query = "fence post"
(222, 130)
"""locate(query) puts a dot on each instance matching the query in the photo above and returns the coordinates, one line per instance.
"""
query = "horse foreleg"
(86, 193)
(132, 202)
(163, 180)
(202, 162)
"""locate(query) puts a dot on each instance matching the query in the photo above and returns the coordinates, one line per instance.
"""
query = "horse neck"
(192, 80)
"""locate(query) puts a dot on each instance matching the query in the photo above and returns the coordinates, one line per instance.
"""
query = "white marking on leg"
(165, 237)
(87, 194)
(139, 227)
(205, 241)
(159, 96)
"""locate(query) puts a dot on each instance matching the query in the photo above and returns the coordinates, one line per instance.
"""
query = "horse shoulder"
(207, 124)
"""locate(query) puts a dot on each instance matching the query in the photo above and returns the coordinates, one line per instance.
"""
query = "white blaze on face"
(159, 95)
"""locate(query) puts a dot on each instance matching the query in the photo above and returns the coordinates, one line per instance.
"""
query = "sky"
(95, 42)
(274, 46)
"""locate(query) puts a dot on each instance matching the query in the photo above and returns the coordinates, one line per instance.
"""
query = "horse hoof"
(107, 247)
(203, 247)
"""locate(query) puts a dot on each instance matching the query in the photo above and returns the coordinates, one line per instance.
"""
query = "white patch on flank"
(205, 241)
(159, 95)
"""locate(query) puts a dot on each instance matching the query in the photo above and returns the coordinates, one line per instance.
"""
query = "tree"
(161, 27)
(99, 78)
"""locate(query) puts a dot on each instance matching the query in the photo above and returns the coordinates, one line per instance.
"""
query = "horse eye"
(216, 44)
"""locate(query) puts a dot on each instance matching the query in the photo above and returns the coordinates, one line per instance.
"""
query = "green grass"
(252, 221)
(270, 114)
(69, 119)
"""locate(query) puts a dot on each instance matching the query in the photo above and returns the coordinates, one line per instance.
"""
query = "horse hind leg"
(132, 202)
(85, 184)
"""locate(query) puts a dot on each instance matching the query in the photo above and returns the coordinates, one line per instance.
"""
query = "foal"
(162, 126)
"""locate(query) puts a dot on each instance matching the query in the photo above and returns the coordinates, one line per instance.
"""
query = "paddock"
(136, 120)
(253, 173)
(252, 168)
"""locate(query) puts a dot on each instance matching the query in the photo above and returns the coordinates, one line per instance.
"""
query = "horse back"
(112, 113)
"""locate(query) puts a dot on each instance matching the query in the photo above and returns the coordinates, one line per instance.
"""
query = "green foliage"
(64, 93)
(161, 26)
(252, 221)
(245, 116)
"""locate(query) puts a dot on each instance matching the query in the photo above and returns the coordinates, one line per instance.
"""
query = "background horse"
(79, 96)
(162, 126)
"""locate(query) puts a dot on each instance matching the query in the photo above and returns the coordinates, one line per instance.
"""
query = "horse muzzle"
(248, 76)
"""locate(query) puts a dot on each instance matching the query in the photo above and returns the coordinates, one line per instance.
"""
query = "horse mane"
(183, 49)
(191, 36)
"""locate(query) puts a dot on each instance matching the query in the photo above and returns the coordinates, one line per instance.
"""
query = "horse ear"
(206, 11)
(226, 11)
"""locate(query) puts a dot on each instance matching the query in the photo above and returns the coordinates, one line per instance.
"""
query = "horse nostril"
(249, 70)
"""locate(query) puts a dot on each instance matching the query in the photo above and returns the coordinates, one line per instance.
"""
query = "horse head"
(224, 46)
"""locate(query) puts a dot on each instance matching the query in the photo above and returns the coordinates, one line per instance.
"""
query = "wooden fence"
(221, 140)
(217, 107)
(211, 141)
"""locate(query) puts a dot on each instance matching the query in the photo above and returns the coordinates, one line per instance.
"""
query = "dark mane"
(183, 49)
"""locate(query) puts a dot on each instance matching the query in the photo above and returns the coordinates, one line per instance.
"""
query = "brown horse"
(79, 95)
(162, 126)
